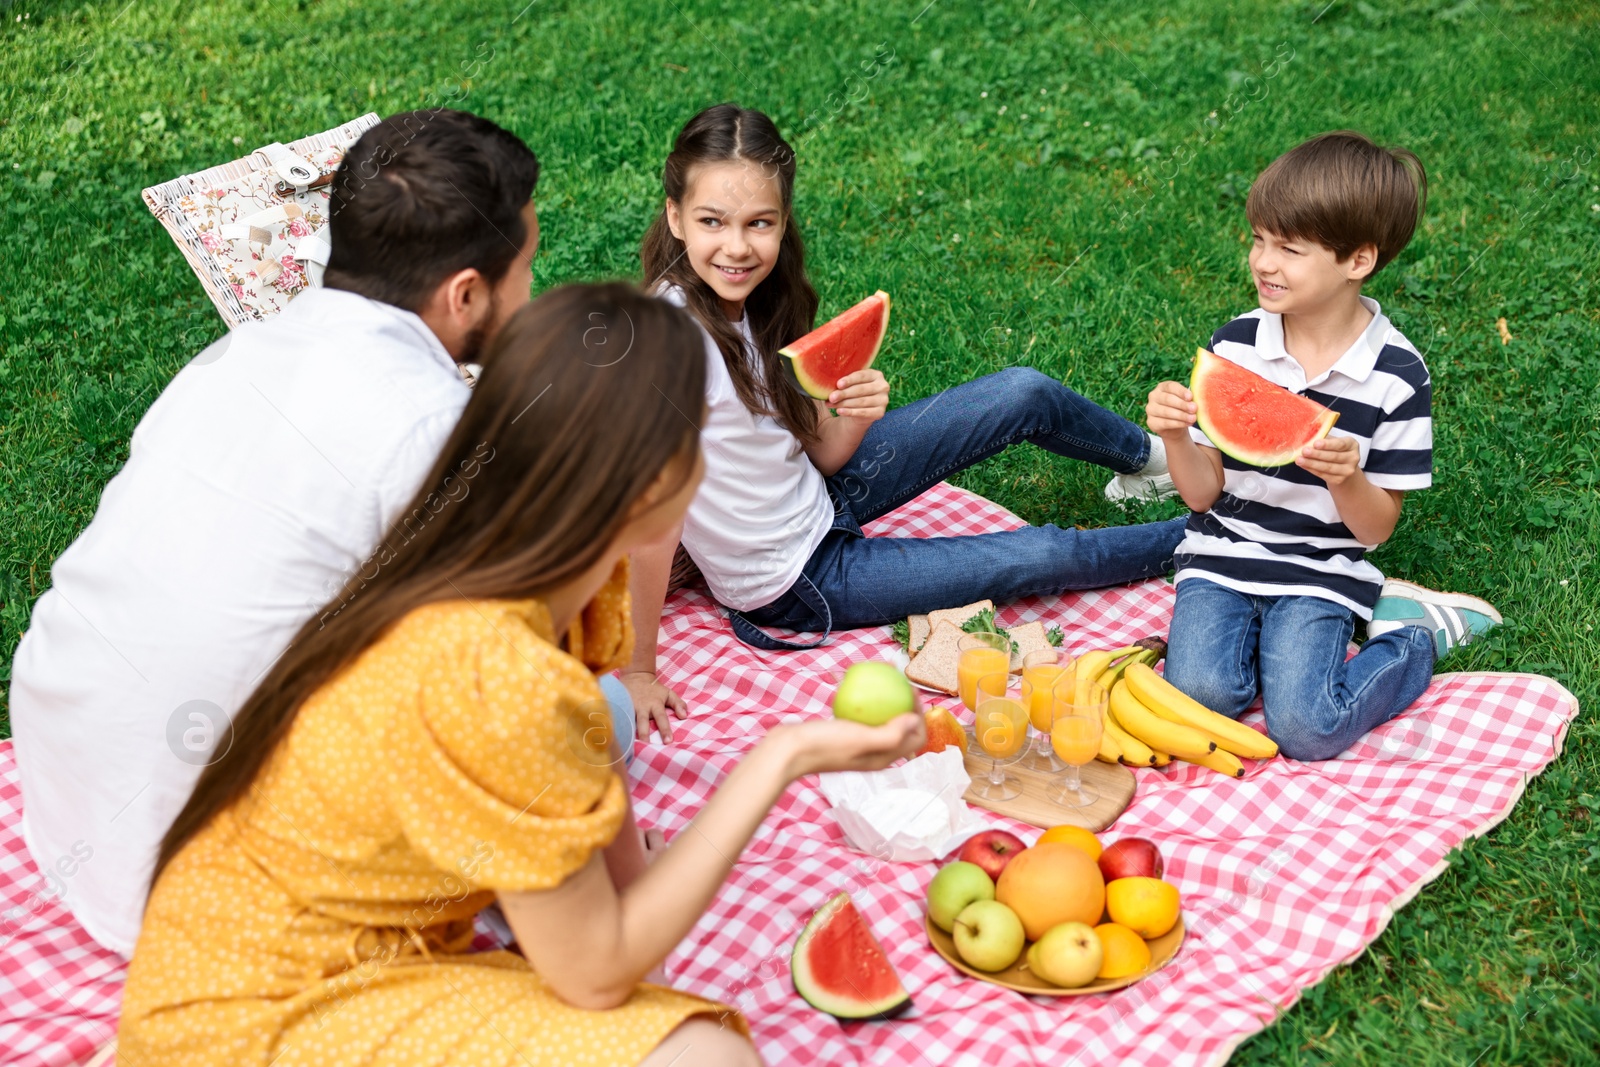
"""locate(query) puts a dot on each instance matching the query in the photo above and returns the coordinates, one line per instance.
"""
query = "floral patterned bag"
(254, 230)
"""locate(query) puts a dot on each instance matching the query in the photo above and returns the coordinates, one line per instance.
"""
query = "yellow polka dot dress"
(324, 919)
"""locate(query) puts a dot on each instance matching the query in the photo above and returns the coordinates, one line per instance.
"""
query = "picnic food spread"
(1077, 915)
(1250, 418)
(846, 343)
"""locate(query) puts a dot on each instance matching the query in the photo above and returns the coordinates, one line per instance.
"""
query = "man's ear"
(462, 294)
(674, 218)
(1363, 261)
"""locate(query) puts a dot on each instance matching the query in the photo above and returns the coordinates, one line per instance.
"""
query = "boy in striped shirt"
(1272, 571)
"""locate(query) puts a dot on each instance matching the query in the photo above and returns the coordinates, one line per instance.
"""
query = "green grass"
(1100, 230)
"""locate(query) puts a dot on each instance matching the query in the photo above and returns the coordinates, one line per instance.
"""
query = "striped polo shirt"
(1275, 531)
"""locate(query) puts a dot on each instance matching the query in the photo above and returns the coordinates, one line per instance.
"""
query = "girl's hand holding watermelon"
(863, 395)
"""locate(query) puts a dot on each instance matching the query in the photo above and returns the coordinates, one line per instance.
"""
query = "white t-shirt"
(258, 481)
(762, 508)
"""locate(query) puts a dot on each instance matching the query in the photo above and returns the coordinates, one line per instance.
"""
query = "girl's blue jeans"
(1227, 647)
(868, 581)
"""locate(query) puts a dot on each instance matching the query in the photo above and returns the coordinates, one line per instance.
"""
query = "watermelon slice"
(1250, 418)
(839, 967)
(843, 345)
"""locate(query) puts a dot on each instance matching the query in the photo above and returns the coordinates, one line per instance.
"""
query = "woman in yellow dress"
(434, 741)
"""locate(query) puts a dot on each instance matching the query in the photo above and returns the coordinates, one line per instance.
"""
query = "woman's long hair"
(783, 307)
(586, 395)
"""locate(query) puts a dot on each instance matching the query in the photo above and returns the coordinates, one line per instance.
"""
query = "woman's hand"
(842, 745)
(862, 395)
(653, 703)
(1170, 410)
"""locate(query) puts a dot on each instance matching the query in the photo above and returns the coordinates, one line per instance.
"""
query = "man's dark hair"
(1342, 191)
(422, 195)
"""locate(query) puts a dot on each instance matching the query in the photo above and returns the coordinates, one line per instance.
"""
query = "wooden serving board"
(1113, 782)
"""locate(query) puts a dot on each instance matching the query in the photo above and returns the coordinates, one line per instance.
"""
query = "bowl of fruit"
(1065, 917)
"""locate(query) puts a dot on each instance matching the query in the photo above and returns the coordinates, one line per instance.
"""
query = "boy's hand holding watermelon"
(1333, 459)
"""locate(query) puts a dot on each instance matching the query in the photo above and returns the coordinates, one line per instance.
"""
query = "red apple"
(1131, 857)
(991, 850)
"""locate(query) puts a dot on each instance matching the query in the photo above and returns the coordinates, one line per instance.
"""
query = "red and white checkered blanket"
(1285, 874)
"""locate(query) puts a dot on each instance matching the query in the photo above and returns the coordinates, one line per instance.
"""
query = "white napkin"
(905, 813)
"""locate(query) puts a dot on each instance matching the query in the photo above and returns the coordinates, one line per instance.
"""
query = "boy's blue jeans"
(1225, 647)
(852, 580)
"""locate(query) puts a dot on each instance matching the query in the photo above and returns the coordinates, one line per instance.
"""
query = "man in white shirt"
(256, 485)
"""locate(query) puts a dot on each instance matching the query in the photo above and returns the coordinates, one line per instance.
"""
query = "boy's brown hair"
(1342, 191)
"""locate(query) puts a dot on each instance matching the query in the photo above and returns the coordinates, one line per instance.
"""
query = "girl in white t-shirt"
(776, 526)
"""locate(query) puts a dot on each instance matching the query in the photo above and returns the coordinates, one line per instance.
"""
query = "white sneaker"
(1148, 484)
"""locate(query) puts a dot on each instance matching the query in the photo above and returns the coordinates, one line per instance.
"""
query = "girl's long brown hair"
(783, 307)
(586, 395)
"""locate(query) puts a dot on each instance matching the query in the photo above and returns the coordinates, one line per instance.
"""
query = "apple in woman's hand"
(991, 850)
(873, 693)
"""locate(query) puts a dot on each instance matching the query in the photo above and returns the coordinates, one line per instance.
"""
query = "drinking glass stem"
(1074, 782)
(995, 777)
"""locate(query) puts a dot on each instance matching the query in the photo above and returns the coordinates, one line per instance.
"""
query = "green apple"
(873, 693)
(989, 935)
(953, 888)
(1068, 955)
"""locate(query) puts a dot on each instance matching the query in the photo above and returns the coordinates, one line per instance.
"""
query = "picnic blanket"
(1285, 874)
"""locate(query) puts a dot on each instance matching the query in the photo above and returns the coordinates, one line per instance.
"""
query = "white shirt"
(1277, 531)
(263, 476)
(762, 507)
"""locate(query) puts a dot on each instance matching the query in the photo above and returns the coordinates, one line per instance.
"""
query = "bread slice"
(1029, 637)
(957, 616)
(920, 628)
(935, 666)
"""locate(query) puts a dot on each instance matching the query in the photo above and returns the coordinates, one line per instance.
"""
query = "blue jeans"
(620, 704)
(852, 580)
(1225, 647)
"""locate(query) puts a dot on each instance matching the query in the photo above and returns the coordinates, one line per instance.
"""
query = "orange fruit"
(1076, 836)
(1052, 883)
(944, 730)
(1147, 906)
(1124, 952)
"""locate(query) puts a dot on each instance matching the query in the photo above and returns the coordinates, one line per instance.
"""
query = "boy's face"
(1293, 275)
(731, 225)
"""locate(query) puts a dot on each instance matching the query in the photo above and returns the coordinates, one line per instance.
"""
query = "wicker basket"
(253, 230)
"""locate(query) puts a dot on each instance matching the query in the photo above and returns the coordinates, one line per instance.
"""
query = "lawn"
(1041, 184)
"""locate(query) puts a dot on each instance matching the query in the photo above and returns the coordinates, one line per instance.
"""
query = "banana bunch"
(1149, 722)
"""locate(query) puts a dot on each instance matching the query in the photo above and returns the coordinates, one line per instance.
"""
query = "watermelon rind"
(1307, 420)
(840, 1005)
(818, 381)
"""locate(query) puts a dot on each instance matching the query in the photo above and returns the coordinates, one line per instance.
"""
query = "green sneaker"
(1454, 618)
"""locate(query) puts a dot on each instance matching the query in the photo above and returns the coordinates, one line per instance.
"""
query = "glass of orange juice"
(980, 654)
(1076, 721)
(1000, 727)
(1042, 671)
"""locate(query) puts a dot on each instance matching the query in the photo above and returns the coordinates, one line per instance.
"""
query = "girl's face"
(731, 224)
